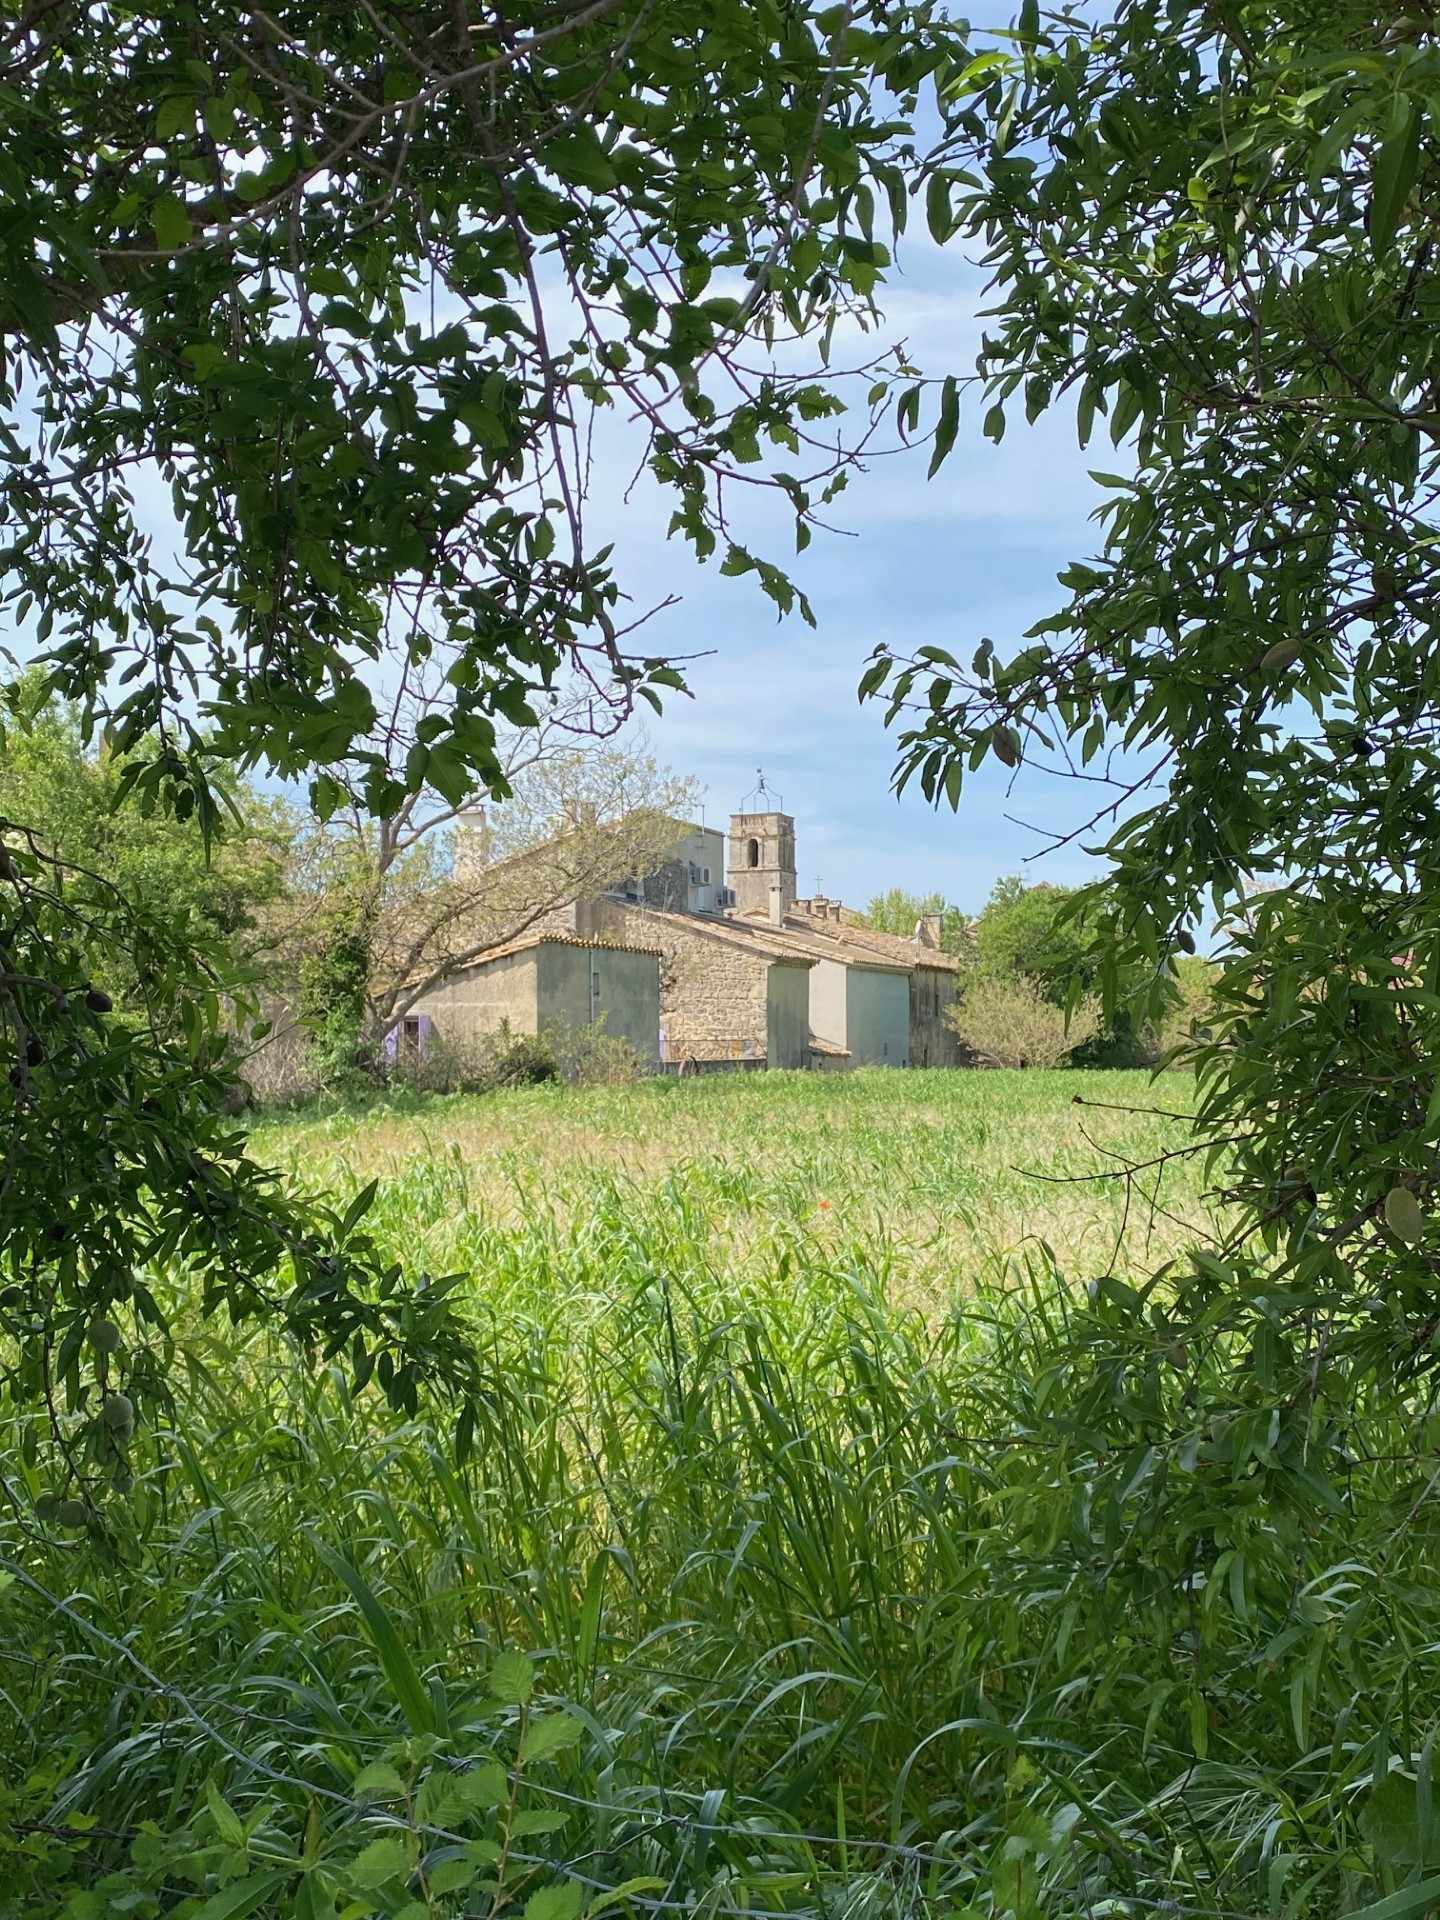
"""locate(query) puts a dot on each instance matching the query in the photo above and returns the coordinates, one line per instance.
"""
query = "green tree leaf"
(948, 426)
(561, 1901)
(171, 222)
(548, 1734)
(512, 1678)
(384, 1859)
(1396, 165)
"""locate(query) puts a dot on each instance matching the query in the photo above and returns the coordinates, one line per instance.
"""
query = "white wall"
(829, 1011)
(879, 1018)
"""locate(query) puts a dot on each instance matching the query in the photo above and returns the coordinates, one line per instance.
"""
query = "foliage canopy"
(1211, 232)
(350, 288)
(354, 286)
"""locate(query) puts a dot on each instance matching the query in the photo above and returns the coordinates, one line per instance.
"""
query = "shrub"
(1010, 1023)
(585, 1056)
(590, 1057)
(450, 1063)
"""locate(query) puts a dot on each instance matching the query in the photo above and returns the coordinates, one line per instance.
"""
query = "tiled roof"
(760, 939)
(528, 941)
(858, 946)
(907, 952)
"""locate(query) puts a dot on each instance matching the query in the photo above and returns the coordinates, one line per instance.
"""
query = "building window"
(705, 875)
(752, 853)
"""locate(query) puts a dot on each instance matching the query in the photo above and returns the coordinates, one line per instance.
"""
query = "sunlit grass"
(922, 1178)
(783, 1473)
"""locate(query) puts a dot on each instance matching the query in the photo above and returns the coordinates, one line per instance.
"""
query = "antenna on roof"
(761, 792)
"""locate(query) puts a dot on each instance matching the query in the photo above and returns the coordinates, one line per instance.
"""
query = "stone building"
(714, 959)
(546, 979)
(731, 979)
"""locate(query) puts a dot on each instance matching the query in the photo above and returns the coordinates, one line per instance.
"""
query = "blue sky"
(972, 553)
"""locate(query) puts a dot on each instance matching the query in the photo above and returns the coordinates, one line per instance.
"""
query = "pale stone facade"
(551, 980)
(727, 992)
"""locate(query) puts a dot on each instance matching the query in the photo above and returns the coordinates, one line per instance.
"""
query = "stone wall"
(771, 837)
(668, 887)
(714, 1001)
(478, 1000)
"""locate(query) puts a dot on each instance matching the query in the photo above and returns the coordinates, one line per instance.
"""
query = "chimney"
(927, 931)
(777, 906)
(472, 845)
(835, 911)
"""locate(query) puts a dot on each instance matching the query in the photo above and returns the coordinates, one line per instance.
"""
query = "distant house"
(746, 972)
(546, 979)
(875, 1000)
(728, 990)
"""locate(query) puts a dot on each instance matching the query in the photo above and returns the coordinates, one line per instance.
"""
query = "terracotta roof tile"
(529, 941)
(852, 946)
(761, 939)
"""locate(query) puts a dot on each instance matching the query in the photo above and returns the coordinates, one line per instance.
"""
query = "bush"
(1010, 1023)
(589, 1057)
(452, 1064)
(584, 1056)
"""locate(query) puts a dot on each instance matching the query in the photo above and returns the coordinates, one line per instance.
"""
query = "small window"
(752, 853)
(705, 876)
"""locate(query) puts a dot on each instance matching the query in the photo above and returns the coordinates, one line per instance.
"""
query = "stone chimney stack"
(927, 931)
(472, 845)
(777, 905)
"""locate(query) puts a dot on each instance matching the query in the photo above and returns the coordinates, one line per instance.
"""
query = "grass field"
(788, 1572)
(920, 1181)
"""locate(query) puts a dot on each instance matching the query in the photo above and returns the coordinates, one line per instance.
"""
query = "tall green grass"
(835, 1599)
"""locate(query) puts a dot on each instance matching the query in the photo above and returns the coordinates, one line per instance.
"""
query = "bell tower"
(761, 853)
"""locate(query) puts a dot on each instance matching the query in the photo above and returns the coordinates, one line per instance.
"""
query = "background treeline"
(323, 932)
(1028, 988)
(320, 933)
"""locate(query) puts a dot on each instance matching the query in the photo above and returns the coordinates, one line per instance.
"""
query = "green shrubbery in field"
(584, 1056)
(837, 1597)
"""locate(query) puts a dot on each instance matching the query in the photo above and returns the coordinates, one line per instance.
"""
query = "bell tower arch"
(761, 852)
